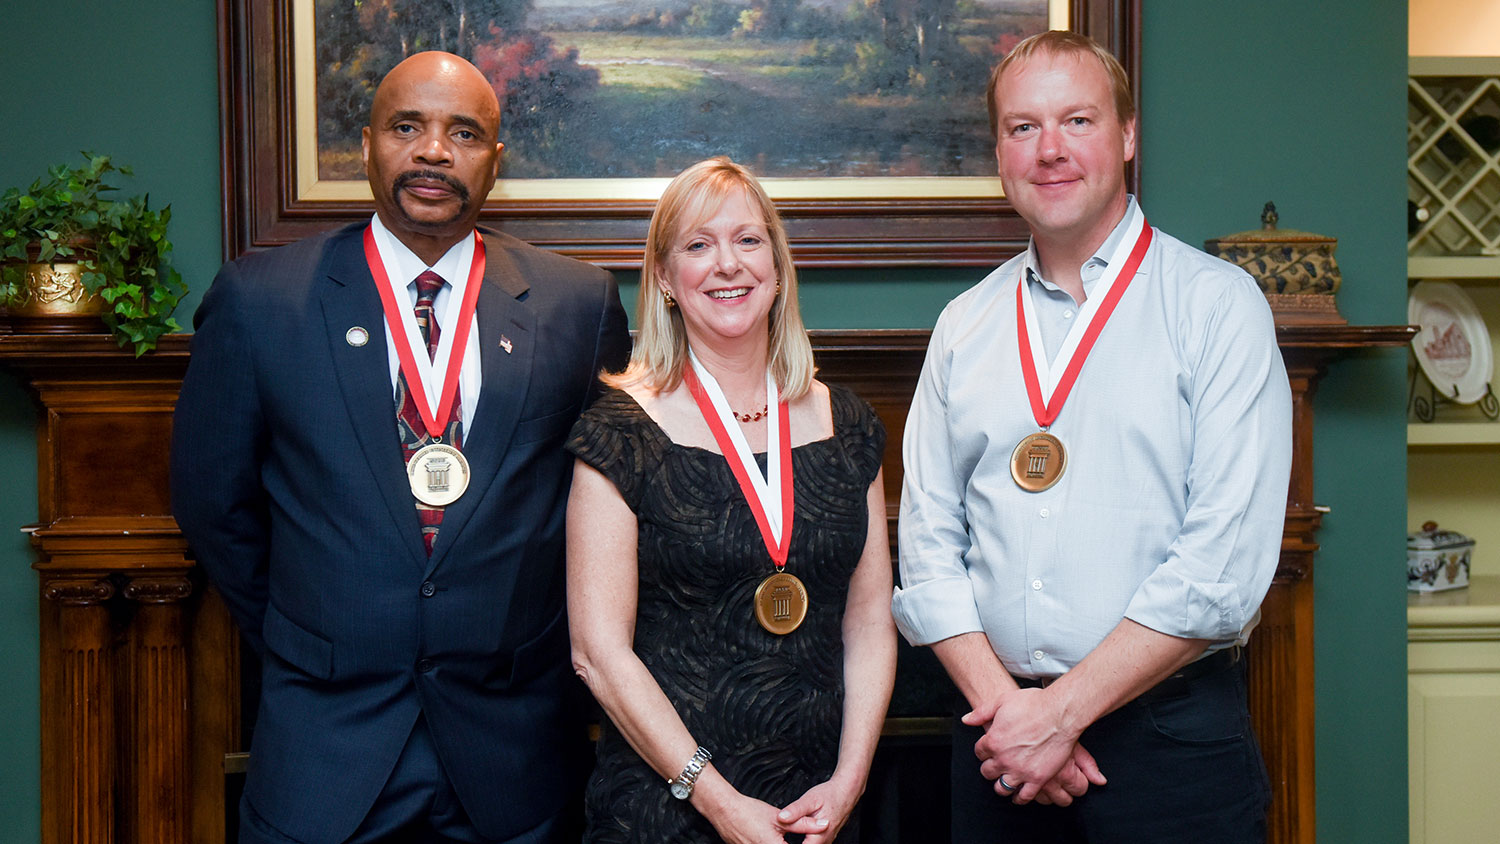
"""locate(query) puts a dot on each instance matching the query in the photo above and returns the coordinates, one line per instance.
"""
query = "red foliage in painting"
(518, 63)
(1007, 42)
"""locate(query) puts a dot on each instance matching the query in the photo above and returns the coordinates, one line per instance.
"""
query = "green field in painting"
(786, 107)
(617, 46)
(666, 101)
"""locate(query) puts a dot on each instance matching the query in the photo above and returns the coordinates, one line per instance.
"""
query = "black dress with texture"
(768, 707)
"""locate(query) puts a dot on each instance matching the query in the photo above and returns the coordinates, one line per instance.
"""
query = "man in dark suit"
(368, 463)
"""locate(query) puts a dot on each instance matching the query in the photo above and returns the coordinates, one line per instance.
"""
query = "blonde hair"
(661, 347)
(1058, 42)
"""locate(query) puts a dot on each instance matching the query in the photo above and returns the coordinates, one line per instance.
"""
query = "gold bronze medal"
(780, 603)
(1038, 462)
(438, 474)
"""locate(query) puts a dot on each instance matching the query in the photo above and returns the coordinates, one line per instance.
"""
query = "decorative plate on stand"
(1453, 345)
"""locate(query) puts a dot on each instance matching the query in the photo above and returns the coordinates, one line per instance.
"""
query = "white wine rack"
(1454, 179)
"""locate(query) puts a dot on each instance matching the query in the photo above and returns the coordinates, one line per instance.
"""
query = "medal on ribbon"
(1038, 461)
(437, 472)
(781, 599)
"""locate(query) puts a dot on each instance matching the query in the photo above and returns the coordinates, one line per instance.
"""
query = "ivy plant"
(121, 245)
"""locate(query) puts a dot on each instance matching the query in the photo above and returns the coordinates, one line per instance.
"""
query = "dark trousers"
(1183, 766)
(417, 805)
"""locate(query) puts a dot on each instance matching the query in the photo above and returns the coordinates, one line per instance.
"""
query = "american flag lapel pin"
(505, 343)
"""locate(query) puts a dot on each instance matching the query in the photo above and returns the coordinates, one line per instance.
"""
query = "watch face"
(681, 790)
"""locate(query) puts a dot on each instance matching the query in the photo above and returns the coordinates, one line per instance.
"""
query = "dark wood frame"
(261, 209)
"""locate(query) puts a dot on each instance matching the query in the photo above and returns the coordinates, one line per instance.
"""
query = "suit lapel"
(507, 330)
(350, 299)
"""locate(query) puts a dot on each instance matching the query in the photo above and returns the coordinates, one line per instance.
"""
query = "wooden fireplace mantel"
(140, 679)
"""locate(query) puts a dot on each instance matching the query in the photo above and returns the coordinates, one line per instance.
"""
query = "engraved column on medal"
(438, 474)
(781, 603)
(1038, 461)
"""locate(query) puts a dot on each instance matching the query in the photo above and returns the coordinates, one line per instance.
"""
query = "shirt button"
(1044, 512)
(1038, 655)
(1037, 585)
(428, 590)
(424, 665)
(1067, 314)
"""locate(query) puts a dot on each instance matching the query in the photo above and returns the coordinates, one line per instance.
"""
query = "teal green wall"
(1304, 104)
(1294, 102)
(19, 746)
(141, 84)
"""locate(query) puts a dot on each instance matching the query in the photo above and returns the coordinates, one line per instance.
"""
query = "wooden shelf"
(1482, 269)
(1476, 605)
(1452, 433)
(1450, 65)
(1296, 341)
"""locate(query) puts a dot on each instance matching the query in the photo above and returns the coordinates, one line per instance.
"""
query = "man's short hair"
(1055, 42)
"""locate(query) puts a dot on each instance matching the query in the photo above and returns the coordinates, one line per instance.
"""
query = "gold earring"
(778, 287)
(667, 295)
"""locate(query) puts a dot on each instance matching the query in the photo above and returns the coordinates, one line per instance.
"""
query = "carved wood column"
(78, 745)
(1281, 649)
(117, 709)
(158, 809)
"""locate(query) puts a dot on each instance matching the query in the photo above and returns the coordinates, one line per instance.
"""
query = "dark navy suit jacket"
(289, 483)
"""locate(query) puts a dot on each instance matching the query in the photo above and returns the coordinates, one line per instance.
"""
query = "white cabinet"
(1453, 682)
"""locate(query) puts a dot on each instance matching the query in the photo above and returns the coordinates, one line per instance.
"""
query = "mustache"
(431, 175)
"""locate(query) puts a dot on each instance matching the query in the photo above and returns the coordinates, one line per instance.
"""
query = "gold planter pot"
(56, 302)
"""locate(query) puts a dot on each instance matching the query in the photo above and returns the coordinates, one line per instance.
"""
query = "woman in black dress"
(729, 573)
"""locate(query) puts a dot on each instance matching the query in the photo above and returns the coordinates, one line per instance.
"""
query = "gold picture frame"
(273, 193)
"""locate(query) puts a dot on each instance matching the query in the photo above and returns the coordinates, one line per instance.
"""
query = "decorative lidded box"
(1295, 270)
(1437, 559)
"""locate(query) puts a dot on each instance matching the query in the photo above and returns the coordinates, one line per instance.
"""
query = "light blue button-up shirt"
(1170, 511)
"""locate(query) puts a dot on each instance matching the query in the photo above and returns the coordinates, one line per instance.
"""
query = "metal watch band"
(682, 786)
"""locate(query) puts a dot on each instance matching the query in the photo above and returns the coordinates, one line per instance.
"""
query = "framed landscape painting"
(864, 118)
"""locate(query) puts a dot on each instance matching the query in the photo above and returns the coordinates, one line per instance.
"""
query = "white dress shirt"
(402, 266)
(1178, 439)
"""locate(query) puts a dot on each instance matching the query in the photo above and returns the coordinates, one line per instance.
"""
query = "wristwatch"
(682, 786)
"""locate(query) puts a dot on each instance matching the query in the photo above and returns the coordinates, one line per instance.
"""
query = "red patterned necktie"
(409, 420)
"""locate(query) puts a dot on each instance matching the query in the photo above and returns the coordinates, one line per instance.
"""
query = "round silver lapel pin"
(357, 336)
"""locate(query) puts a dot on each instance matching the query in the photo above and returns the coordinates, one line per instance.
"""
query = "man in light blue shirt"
(1096, 468)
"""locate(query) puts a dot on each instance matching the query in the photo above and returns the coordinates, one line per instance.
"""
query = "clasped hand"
(818, 814)
(1024, 740)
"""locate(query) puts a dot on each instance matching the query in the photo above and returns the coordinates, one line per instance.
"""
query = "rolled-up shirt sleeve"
(935, 599)
(1218, 569)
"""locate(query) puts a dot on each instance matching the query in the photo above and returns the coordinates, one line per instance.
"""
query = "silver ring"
(1005, 785)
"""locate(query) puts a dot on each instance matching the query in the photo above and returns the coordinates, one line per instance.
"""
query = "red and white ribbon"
(1048, 384)
(433, 393)
(769, 495)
